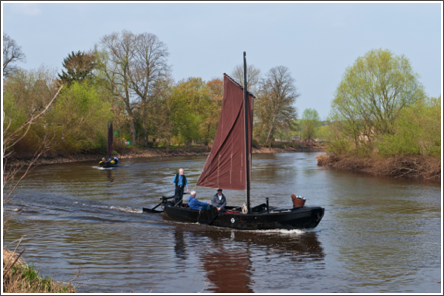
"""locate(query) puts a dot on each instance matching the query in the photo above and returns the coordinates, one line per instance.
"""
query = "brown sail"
(225, 165)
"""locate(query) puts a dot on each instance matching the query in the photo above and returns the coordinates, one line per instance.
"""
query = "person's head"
(180, 171)
(193, 193)
(219, 191)
(103, 159)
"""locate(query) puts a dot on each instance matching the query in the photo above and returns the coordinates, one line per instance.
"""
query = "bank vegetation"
(19, 277)
(126, 79)
(382, 122)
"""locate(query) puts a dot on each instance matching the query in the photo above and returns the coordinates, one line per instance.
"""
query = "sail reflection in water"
(230, 259)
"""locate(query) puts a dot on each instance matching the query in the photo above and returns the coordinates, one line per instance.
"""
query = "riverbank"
(416, 167)
(19, 277)
(63, 157)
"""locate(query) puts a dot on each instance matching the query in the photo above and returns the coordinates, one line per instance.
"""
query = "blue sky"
(316, 41)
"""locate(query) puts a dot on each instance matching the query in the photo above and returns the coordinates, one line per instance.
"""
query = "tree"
(371, 95)
(114, 61)
(12, 53)
(212, 115)
(253, 77)
(80, 118)
(309, 123)
(190, 101)
(12, 136)
(274, 104)
(159, 116)
(149, 66)
(78, 67)
(131, 64)
(25, 93)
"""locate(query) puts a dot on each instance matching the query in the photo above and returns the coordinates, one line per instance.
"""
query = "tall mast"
(246, 132)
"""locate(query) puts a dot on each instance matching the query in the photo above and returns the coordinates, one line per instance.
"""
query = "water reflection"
(228, 256)
(179, 244)
(110, 174)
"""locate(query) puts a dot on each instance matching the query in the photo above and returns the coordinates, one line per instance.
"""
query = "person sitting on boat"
(219, 201)
(194, 204)
(116, 160)
(180, 182)
(103, 160)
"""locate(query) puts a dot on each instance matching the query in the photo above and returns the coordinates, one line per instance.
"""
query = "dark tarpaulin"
(225, 165)
(110, 140)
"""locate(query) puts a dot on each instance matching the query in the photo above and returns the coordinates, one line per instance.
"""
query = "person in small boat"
(180, 181)
(219, 201)
(194, 204)
(116, 160)
(103, 160)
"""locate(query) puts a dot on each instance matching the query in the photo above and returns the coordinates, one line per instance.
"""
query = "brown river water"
(378, 235)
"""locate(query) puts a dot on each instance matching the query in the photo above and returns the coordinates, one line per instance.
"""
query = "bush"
(417, 131)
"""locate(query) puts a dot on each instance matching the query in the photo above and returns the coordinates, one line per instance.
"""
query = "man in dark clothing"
(180, 181)
(219, 201)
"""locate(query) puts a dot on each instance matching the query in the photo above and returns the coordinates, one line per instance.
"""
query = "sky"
(316, 41)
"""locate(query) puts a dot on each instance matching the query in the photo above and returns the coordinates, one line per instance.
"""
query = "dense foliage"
(381, 108)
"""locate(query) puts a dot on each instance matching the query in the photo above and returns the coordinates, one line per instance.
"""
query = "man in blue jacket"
(194, 204)
(180, 182)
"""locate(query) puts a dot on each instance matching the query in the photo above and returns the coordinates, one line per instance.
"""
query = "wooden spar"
(247, 158)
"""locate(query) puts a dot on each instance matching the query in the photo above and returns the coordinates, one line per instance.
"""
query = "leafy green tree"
(370, 97)
(78, 66)
(417, 131)
(80, 117)
(310, 122)
(190, 100)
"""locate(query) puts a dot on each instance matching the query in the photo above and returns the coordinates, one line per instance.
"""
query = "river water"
(377, 235)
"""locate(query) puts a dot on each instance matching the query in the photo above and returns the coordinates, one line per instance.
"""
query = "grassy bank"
(419, 167)
(138, 152)
(19, 277)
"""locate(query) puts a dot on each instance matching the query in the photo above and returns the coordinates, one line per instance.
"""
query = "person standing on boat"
(219, 201)
(194, 204)
(180, 181)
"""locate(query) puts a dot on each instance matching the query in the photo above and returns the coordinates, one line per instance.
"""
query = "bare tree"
(150, 65)
(253, 76)
(12, 53)
(115, 63)
(274, 104)
(131, 64)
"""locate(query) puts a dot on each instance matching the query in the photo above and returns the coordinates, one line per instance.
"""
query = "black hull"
(295, 218)
(108, 165)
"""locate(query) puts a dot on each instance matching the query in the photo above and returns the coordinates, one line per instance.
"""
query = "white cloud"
(27, 8)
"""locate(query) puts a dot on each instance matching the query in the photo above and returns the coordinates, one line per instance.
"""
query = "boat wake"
(120, 209)
(102, 168)
(279, 231)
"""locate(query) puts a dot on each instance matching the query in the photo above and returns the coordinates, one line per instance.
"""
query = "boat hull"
(108, 165)
(295, 218)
